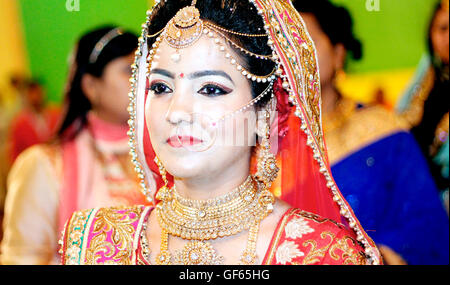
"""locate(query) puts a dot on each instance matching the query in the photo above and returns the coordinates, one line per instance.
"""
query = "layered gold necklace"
(200, 221)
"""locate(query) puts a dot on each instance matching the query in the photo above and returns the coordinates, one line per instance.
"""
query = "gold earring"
(267, 169)
(164, 193)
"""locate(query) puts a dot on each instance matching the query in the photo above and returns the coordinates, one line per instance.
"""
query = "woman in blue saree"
(375, 161)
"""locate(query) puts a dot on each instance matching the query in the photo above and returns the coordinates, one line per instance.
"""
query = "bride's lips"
(180, 141)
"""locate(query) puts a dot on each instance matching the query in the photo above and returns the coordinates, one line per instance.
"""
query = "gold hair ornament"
(186, 28)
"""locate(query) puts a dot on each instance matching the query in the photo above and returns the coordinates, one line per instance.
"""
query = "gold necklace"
(198, 221)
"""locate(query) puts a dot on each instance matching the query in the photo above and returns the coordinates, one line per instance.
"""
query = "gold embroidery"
(75, 237)
(317, 254)
(118, 226)
(316, 218)
(295, 214)
(341, 250)
(304, 70)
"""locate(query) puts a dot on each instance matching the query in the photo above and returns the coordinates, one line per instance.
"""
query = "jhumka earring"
(164, 193)
(267, 170)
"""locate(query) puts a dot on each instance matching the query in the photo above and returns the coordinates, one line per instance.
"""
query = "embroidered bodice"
(113, 236)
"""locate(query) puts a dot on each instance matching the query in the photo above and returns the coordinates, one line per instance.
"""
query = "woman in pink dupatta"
(88, 165)
(202, 68)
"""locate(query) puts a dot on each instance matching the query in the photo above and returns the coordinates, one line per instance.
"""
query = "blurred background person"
(34, 124)
(9, 106)
(425, 105)
(11, 101)
(26, 120)
(87, 165)
(376, 163)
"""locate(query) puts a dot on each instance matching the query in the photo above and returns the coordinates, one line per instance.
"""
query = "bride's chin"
(185, 167)
(186, 173)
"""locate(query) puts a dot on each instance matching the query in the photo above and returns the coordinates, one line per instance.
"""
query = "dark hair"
(77, 104)
(336, 22)
(235, 15)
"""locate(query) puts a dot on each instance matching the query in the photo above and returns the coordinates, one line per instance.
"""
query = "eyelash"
(155, 85)
(221, 90)
(218, 90)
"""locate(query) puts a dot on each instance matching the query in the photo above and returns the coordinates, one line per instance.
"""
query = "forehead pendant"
(186, 28)
(183, 30)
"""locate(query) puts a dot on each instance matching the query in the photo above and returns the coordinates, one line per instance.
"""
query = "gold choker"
(198, 221)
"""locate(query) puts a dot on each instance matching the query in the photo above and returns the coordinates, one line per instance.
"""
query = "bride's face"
(190, 90)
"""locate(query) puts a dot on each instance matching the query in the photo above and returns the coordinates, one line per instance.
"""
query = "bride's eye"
(212, 90)
(159, 88)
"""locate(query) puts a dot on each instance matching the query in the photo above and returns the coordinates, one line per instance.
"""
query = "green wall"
(394, 37)
(51, 32)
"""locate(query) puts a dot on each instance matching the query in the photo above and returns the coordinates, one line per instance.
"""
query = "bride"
(225, 114)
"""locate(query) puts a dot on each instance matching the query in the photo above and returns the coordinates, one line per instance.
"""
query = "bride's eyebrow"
(204, 73)
(163, 72)
(194, 75)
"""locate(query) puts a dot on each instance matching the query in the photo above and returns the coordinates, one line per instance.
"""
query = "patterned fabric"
(303, 238)
(112, 236)
(103, 236)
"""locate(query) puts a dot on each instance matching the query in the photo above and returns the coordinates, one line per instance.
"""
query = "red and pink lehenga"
(114, 236)
(320, 228)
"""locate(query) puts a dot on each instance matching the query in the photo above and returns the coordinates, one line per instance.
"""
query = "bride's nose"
(180, 108)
